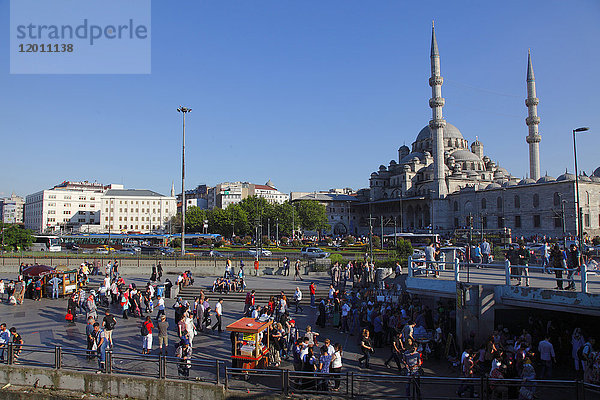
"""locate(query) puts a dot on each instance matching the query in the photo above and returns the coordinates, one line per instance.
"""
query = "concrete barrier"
(119, 386)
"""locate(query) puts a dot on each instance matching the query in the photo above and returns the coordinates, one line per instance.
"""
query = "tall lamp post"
(183, 110)
(577, 209)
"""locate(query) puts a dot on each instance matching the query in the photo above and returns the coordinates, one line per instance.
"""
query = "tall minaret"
(437, 122)
(532, 121)
(172, 188)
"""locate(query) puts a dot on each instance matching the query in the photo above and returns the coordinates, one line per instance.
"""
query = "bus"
(46, 243)
(497, 237)
(416, 239)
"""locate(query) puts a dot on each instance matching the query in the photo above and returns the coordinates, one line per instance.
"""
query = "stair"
(261, 296)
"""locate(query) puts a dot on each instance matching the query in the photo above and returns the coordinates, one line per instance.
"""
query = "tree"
(312, 215)
(16, 237)
(194, 219)
(404, 248)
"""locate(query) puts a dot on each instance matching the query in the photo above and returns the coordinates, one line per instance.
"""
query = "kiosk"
(250, 343)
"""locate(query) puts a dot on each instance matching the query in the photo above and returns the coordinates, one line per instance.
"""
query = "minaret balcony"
(534, 139)
(436, 81)
(437, 123)
(533, 120)
(533, 101)
(436, 102)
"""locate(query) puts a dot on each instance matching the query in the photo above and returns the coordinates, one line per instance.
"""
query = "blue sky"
(311, 94)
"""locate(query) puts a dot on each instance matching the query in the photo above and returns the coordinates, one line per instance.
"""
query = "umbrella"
(38, 270)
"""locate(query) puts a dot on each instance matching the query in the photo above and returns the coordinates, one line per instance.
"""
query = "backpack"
(144, 330)
(110, 323)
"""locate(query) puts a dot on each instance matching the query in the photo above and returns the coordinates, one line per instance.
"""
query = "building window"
(499, 203)
(557, 222)
(67, 212)
(586, 219)
(536, 221)
(483, 204)
(517, 221)
(556, 199)
(67, 197)
(517, 201)
(536, 200)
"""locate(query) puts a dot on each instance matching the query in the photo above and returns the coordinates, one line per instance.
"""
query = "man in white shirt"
(256, 312)
(160, 302)
(218, 315)
(297, 299)
(330, 349)
(547, 356)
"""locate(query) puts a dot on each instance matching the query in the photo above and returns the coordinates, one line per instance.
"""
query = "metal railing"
(352, 385)
(347, 385)
(158, 366)
(502, 273)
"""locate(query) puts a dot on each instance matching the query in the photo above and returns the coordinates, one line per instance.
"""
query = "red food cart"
(250, 343)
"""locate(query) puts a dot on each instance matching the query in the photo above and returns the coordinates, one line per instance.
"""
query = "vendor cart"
(250, 343)
(68, 280)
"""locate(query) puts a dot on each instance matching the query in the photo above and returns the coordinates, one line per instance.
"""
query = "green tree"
(404, 248)
(312, 215)
(194, 219)
(15, 237)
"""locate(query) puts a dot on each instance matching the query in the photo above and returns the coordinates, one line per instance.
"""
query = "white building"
(11, 209)
(227, 193)
(126, 210)
(66, 206)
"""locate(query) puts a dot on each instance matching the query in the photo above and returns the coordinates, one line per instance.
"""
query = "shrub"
(176, 242)
(376, 242)
(284, 241)
(336, 258)
(219, 243)
(404, 248)
(296, 243)
(266, 241)
(349, 240)
(596, 241)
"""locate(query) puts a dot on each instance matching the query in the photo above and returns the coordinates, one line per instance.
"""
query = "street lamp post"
(183, 110)
(562, 215)
(577, 209)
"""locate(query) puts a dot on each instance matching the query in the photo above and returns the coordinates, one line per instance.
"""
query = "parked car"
(262, 252)
(101, 250)
(418, 254)
(167, 251)
(313, 252)
(127, 251)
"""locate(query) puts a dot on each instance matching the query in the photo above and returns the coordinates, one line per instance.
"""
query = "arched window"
(536, 200)
(483, 204)
(556, 199)
(456, 206)
(499, 203)
(517, 201)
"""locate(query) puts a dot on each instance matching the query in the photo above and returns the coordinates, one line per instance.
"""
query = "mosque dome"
(493, 186)
(465, 155)
(546, 179)
(404, 148)
(509, 183)
(409, 158)
(526, 181)
(566, 177)
(597, 172)
(502, 170)
(393, 162)
(450, 131)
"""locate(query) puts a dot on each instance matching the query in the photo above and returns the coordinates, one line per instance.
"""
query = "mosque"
(443, 183)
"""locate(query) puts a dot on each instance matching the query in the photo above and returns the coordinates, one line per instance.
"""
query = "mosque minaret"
(532, 121)
(437, 123)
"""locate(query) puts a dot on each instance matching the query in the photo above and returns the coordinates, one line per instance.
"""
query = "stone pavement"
(43, 323)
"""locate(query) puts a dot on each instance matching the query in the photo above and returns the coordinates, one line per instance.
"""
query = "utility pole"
(277, 232)
(381, 241)
(395, 237)
(269, 228)
(184, 111)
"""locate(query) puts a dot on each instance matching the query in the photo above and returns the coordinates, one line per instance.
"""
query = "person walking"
(397, 352)
(184, 353)
(486, 251)
(146, 332)
(89, 334)
(109, 322)
(557, 262)
(256, 266)
(159, 271)
(297, 270)
(547, 357)
(412, 362)
(577, 342)
(366, 348)
(249, 302)
(312, 289)
(4, 339)
(163, 334)
(218, 315)
(286, 266)
(55, 281)
(297, 299)
(100, 343)
(573, 265)
(336, 366)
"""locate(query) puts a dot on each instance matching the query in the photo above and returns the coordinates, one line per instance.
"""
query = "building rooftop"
(132, 193)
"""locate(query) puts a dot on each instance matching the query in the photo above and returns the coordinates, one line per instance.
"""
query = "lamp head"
(583, 129)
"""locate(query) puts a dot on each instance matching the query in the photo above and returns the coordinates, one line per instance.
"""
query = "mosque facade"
(443, 183)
